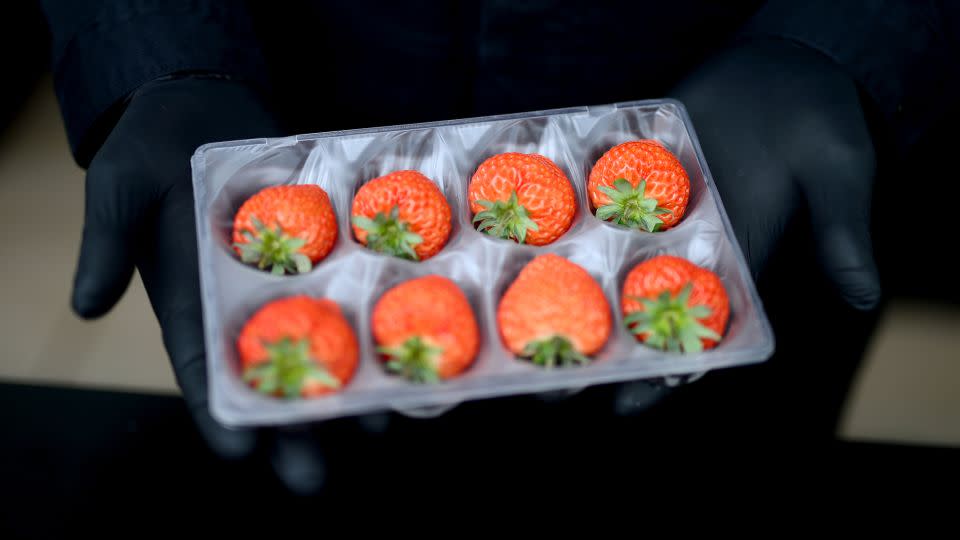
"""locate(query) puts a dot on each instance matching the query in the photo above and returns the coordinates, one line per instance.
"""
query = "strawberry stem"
(273, 248)
(288, 367)
(388, 234)
(670, 324)
(554, 351)
(505, 219)
(414, 359)
(631, 207)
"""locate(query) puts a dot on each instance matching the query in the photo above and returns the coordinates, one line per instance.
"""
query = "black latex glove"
(139, 212)
(783, 131)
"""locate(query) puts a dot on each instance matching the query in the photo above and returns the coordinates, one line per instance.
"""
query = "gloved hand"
(783, 131)
(139, 212)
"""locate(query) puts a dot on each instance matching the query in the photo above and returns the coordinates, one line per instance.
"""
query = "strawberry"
(298, 347)
(524, 197)
(426, 329)
(285, 228)
(402, 214)
(554, 313)
(639, 184)
(672, 304)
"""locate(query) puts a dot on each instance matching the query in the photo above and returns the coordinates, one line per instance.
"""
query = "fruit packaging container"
(225, 174)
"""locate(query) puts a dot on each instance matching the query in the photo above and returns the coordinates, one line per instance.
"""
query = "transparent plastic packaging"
(226, 173)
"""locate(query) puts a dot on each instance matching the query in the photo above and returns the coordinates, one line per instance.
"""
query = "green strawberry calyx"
(631, 207)
(554, 351)
(287, 369)
(387, 234)
(273, 248)
(670, 323)
(414, 359)
(505, 219)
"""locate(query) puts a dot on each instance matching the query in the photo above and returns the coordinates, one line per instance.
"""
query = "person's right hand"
(139, 212)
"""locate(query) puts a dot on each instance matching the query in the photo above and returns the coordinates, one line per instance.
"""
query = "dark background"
(76, 459)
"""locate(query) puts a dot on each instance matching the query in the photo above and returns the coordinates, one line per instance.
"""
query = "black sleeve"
(904, 54)
(102, 50)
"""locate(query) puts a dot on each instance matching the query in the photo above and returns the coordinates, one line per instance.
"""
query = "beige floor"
(908, 392)
(41, 201)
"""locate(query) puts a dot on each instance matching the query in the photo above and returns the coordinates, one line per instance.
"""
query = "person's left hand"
(783, 130)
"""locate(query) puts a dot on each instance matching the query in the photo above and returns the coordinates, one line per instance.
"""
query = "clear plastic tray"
(226, 173)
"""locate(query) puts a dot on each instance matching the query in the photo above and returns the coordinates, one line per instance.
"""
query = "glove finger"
(105, 264)
(838, 187)
(298, 461)
(846, 252)
(555, 396)
(374, 423)
(634, 397)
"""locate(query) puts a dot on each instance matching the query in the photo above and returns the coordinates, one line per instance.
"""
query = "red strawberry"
(672, 304)
(554, 313)
(639, 184)
(298, 346)
(524, 197)
(285, 228)
(402, 214)
(426, 329)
